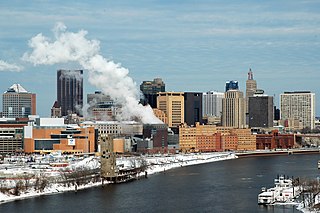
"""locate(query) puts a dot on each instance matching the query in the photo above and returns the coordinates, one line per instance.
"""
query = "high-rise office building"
(251, 88)
(233, 109)
(212, 103)
(172, 104)
(150, 90)
(70, 91)
(261, 111)
(276, 112)
(17, 102)
(299, 105)
(232, 85)
(192, 107)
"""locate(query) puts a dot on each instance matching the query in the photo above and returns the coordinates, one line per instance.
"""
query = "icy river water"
(225, 186)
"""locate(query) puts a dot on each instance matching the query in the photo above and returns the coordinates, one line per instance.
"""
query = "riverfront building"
(246, 140)
(275, 140)
(233, 109)
(172, 104)
(17, 102)
(208, 138)
(299, 106)
(70, 91)
(150, 89)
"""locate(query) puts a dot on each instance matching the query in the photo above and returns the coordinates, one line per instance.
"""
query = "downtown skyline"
(193, 46)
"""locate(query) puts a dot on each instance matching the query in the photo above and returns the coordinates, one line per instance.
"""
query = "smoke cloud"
(4, 66)
(74, 74)
(111, 78)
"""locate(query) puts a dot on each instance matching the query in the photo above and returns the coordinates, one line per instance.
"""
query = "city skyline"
(192, 46)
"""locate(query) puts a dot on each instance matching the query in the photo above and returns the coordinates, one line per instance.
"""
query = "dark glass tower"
(261, 111)
(232, 85)
(192, 107)
(70, 91)
(150, 90)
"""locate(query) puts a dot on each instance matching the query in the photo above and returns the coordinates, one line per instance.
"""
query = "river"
(225, 186)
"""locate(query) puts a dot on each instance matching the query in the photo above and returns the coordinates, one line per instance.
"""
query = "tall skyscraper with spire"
(70, 91)
(251, 88)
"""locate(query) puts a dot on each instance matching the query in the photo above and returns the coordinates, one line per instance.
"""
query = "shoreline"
(157, 165)
(276, 152)
(161, 164)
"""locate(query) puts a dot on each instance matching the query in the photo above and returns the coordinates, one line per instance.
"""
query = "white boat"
(318, 164)
(268, 196)
(282, 192)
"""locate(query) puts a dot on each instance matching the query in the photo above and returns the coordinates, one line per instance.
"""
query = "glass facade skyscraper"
(70, 91)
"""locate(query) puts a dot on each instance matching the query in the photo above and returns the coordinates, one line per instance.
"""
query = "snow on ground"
(155, 164)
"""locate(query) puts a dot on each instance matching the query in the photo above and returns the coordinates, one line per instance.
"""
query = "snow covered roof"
(17, 88)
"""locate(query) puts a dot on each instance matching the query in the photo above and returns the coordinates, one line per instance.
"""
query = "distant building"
(232, 85)
(98, 98)
(116, 128)
(70, 91)
(158, 135)
(160, 115)
(150, 89)
(56, 110)
(193, 107)
(233, 109)
(261, 111)
(276, 112)
(17, 102)
(212, 104)
(172, 104)
(299, 105)
(251, 87)
(101, 107)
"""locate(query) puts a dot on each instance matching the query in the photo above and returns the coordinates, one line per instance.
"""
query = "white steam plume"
(106, 75)
(4, 66)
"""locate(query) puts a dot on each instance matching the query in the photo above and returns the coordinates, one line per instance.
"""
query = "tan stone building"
(233, 109)
(208, 138)
(189, 136)
(172, 104)
(161, 115)
(246, 140)
(229, 142)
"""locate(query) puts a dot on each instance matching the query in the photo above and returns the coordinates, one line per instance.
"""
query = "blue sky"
(192, 45)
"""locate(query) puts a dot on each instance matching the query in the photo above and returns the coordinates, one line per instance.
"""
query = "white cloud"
(110, 77)
(4, 66)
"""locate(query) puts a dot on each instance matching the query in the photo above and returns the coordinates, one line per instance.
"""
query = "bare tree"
(310, 191)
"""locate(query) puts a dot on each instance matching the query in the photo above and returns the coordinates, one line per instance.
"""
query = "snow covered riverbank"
(155, 164)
